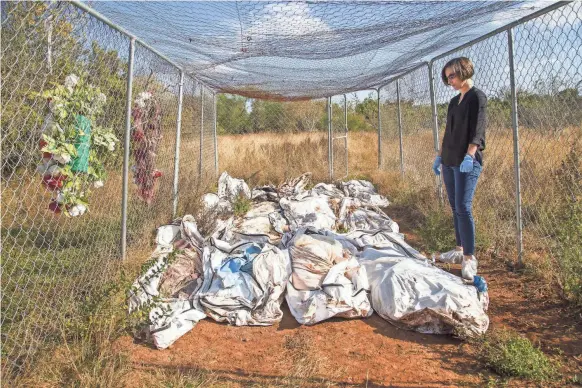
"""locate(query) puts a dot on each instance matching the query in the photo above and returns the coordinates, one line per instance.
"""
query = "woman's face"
(453, 79)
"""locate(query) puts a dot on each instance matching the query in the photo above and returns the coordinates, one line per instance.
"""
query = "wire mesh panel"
(548, 65)
(417, 129)
(339, 133)
(153, 142)
(208, 139)
(63, 112)
(189, 163)
(390, 132)
(494, 204)
(322, 48)
(269, 141)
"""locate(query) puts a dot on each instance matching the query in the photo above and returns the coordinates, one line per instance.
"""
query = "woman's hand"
(436, 166)
(467, 164)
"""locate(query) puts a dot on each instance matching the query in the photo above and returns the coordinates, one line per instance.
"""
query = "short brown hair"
(462, 67)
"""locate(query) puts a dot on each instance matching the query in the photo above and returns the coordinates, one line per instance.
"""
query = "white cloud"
(285, 19)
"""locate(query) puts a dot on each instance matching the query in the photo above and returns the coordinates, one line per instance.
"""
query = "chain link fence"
(530, 208)
(339, 137)
(270, 141)
(64, 110)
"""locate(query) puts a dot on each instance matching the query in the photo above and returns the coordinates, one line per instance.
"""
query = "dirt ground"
(365, 352)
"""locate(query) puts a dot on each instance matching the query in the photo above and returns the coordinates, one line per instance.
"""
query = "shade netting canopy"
(311, 49)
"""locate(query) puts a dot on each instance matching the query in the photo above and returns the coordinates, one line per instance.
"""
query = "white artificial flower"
(64, 159)
(101, 99)
(111, 146)
(142, 98)
(98, 184)
(145, 95)
(77, 210)
(60, 197)
(71, 81)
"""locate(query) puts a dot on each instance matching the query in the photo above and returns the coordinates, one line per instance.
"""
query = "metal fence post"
(379, 132)
(126, 145)
(346, 131)
(400, 128)
(435, 129)
(178, 137)
(215, 138)
(201, 131)
(516, 159)
(330, 139)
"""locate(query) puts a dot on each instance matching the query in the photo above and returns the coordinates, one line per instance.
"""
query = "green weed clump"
(241, 206)
(511, 355)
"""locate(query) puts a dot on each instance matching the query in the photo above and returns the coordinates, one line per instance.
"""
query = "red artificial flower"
(55, 207)
(53, 182)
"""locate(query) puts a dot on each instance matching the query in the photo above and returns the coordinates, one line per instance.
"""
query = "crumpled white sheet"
(264, 218)
(327, 189)
(365, 192)
(309, 211)
(312, 256)
(353, 216)
(295, 186)
(325, 281)
(250, 296)
(265, 193)
(230, 188)
(170, 315)
(343, 293)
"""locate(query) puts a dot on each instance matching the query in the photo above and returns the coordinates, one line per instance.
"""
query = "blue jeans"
(460, 190)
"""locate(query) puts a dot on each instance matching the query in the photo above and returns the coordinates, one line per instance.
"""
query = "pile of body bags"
(329, 250)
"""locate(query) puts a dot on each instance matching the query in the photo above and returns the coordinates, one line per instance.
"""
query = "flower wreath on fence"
(74, 148)
(147, 133)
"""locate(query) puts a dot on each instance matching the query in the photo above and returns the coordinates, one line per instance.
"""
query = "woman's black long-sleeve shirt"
(466, 124)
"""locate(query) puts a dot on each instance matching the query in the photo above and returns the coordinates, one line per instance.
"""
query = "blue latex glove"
(480, 283)
(436, 166)
(467, 164)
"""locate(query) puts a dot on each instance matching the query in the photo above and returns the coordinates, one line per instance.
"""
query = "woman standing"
(461, 158)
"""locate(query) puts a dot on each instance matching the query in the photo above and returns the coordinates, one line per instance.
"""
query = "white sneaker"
(451, 257)
(469, 268)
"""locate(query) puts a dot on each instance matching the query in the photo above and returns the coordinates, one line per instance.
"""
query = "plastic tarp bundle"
(244, 285)
(165, 290)
(326, 280)
(421, 297)
(411, 293)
